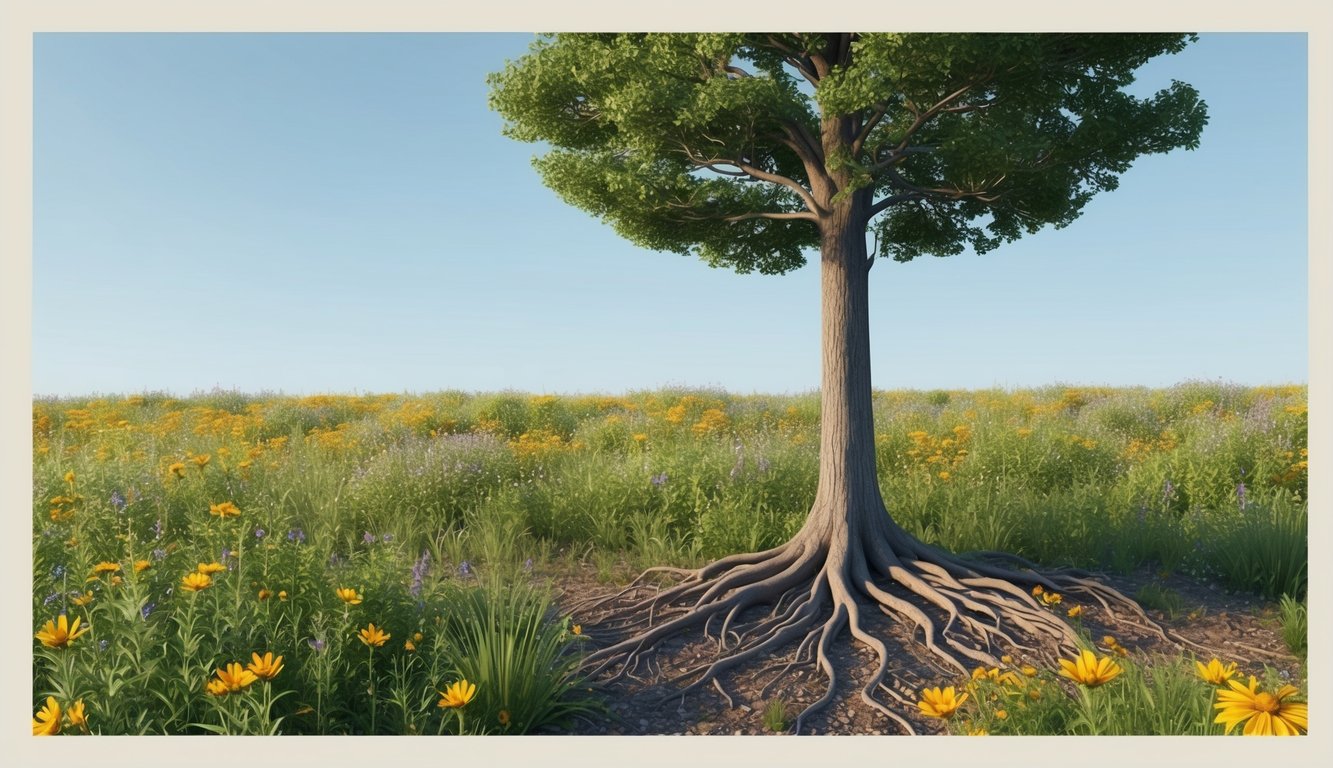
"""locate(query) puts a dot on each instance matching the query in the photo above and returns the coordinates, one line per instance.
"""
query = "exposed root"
(966, 611)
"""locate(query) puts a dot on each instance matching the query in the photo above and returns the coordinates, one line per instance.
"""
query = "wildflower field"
(230, 563)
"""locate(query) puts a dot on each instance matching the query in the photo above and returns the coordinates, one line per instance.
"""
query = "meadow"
(380, 564)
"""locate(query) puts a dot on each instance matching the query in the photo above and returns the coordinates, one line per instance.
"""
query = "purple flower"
(368, 537)
(659, 479)
(102, 645)
(1240, 495)
(386, 538)
(297, 535)
(157, 529)
(51, 598)
(316, 644)
(419, 570)
(226, 555)
(259, 533)
(147, 609)
(527, 564)
(465, 569)
(58, 572)
(118, 501)
(159, 554)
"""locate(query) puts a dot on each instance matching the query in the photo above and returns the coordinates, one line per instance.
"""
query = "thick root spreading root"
(965, 612)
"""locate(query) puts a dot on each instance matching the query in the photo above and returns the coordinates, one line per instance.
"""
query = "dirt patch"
(1207, 620)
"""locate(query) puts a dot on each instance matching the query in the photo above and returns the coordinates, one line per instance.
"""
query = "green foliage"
(1164, 698)
(775, 716)
(522, 663)
(732, 146)
(1154, 596)
(1161, 696)
(1265, 550)
(1295, 622)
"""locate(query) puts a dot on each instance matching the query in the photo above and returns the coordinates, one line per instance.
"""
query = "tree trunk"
(848, 487)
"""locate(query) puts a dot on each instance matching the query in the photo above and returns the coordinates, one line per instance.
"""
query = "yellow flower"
(940, 703)
(978, 732)
(216, 687)
(1029, 670)
(200, 461)
(995, 675)
(1037, 590)
(106, 566)
(1075, 612)
(77, 716)
(1006, 659)
(69, 477)
(409, 646)
(193, 582)
(640, 438)
(47, 721)
(417, 637)
(234, 678)
(1215, 673)
(373, 636)
(60, 632)
(176, 470)
(1089, 670)
(348, 595)
(457, 695)
(82, 600)
(282, 595)
(225, 509)
(577, 629)
(142, 565)
(1264, 714)
(1001, 714)
(504, 718)
(208, 569)
(944, 475)
(265, 667)
(1051, 598)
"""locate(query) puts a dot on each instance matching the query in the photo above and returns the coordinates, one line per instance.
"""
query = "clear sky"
(340, 213)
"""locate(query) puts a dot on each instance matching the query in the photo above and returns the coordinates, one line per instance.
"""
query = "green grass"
(775, 716)
(1294, 620)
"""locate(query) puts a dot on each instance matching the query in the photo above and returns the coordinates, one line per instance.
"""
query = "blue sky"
(340, 213)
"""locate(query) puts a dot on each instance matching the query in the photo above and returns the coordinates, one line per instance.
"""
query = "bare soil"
(1212, 620)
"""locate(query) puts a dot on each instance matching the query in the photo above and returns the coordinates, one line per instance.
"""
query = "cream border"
(21, 18)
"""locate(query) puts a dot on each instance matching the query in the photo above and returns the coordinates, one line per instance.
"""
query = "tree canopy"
(720, 144)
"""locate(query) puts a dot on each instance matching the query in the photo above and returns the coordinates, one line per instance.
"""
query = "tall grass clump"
(523, 660)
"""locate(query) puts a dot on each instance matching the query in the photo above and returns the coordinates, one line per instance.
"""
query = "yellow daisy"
(1264, 714)
(940, 703)
(60, 632)
(457, 695)
(1089, 670)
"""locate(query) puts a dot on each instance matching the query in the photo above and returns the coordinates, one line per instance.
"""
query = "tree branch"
(782, 216)
(889, 202)
(869, 126)
(754, 172)
(799, 62)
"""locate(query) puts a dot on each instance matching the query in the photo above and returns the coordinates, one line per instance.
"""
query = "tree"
(751, 149)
